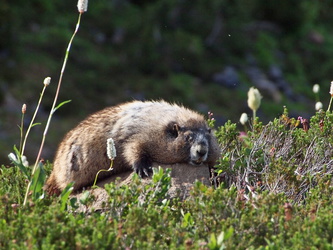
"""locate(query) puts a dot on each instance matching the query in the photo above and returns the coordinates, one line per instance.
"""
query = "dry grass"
(280, 157)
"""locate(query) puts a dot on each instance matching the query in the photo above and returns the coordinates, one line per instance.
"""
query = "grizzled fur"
(143, 132)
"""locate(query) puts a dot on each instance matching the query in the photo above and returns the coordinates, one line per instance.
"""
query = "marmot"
(143, 133)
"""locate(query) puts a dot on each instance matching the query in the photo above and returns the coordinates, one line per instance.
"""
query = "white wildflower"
(316, 88)
(24, 108)
(319, 106)
(12, 157)
(111, 149)
(254, 98)
(47, 81)
(243, 119)
(331, 89)
(25, 161)
(82, 6)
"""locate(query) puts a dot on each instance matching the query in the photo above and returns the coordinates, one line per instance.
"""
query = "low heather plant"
(280, 157)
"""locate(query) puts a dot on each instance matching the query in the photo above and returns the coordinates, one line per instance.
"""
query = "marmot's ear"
(173, 129)
(176, 127)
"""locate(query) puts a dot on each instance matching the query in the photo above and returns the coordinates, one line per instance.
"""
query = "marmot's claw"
(143, 171)
(146, 171)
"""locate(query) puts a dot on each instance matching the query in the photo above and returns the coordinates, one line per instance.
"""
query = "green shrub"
(280, 157)
(275, 193)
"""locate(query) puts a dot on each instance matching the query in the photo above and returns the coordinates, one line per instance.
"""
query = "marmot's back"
(143, 132)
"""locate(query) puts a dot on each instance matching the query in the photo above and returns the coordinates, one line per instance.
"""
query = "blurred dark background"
(202, 53)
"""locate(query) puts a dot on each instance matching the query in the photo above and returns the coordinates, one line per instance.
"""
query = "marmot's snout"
(199, 150)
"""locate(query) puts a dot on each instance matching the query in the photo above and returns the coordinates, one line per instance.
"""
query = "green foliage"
(217, 242)
(64, 196)
(276, 194)
(60, 105)
(16, 159)
(37, 182)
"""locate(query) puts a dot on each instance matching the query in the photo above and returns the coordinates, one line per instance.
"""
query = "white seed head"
(82, 6)
(331, 89)
(47, 81)
(111, 149)
(12, 157)
(319, 105)
(243, 119)
(316, 88)
(25, 161)
(24, 108)
(254, 99)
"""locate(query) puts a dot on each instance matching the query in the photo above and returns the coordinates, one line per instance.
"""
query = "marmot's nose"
(201, 152)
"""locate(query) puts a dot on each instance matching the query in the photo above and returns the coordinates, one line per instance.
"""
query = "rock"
(275, 74)
(316, 37)
(118, 36)
(9, 103)
(271, 82)
(227, 78)
(182, 178)
(260, 80)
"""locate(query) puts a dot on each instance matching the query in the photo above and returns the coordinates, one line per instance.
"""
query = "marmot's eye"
(188, 138)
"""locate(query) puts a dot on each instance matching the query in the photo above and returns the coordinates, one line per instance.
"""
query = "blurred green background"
(202, 53)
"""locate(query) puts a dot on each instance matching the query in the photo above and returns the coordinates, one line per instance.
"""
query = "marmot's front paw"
(143, 171)
(143, 166)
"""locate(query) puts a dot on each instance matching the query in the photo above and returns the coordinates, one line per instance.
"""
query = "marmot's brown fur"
(143, 133)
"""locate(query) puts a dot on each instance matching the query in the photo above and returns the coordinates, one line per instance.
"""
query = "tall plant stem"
(101, 170)
(52, 109)
(329, 105)
(32, 120)
(21, 131)
(254, 116)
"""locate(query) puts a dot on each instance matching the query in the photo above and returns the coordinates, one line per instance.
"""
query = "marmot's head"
(192, 144)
